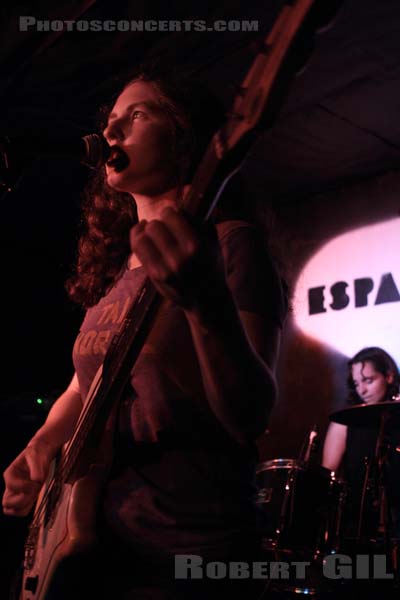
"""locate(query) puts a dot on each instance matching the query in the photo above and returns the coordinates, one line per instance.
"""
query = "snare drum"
(302, 506)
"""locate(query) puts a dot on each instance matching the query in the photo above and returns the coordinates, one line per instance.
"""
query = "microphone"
(96, 151)
(91, 150)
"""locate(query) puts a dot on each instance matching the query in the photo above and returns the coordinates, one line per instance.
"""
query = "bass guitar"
(64, 520)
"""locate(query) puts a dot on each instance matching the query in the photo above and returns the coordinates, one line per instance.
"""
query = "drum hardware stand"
(341, 505)
(395, 540)
(286, 514)
(335, 542)
(392, 543)
(366, 486)
(310, 445)
(376, 479)
(381, 458)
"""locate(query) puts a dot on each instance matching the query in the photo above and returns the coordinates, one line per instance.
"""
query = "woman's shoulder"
(226, 228)
(242, 239)
(245, 248)
(251, 271)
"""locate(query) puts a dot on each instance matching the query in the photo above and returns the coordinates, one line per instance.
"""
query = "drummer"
(373, 377)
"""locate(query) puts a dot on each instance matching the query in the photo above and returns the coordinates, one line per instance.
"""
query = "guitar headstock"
(254, 92)
(247, 109)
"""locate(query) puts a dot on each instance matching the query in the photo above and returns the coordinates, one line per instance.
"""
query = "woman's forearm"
(240, 387)
(62, 417)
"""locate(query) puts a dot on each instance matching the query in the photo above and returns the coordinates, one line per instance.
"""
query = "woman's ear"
(390, 377)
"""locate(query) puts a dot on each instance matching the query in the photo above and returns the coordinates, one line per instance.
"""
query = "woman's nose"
(113, 132)
(363, 390)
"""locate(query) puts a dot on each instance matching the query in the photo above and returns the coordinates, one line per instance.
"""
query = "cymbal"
(368, 415)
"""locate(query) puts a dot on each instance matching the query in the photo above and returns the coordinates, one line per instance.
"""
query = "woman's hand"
(25, 476)
(185, 267)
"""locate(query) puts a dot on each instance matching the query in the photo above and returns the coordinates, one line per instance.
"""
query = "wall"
(312, 372)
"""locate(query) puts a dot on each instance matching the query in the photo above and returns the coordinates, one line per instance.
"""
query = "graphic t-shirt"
(181, 484)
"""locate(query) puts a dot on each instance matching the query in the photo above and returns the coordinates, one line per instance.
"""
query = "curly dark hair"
(194, 116)
(383, 363)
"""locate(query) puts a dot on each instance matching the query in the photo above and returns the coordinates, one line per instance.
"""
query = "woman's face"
(370, 384)
(141, 140)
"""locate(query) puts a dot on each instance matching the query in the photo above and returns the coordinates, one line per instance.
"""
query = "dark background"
(329, 163)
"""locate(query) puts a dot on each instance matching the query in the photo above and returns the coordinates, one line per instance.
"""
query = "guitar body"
(69, 532)
(64, 523)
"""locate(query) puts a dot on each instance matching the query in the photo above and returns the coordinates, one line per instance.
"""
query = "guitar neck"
(112, 378)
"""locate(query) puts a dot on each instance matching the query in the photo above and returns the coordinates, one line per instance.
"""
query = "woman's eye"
(137, 114)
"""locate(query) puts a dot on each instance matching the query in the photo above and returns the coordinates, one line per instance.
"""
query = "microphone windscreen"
(96, 151)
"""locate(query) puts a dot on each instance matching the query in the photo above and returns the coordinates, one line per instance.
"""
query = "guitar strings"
(62, 469)
(115, 363)
(91, 408)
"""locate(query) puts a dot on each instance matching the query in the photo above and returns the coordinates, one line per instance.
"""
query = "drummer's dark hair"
(383, 363)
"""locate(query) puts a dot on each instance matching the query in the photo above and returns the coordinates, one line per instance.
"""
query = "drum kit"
(304, 505)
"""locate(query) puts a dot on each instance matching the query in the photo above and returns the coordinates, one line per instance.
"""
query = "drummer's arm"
(334, 446)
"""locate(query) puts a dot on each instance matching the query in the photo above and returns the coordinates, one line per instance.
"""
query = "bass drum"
(301, 507)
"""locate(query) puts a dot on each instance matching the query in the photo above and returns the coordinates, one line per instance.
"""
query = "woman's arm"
(236, 358)
(237, 354)
(334, 446)
(25, 475)
(62, 417)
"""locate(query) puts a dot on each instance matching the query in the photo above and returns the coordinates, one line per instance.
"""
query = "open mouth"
(118, 159)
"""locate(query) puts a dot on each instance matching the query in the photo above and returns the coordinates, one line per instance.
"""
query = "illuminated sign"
(348, 294)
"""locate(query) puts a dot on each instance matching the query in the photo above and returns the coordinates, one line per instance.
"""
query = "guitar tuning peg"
(324, 14)
(258, 46)
(235, 116)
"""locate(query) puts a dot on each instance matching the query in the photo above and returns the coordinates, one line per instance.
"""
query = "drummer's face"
(370, 384)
